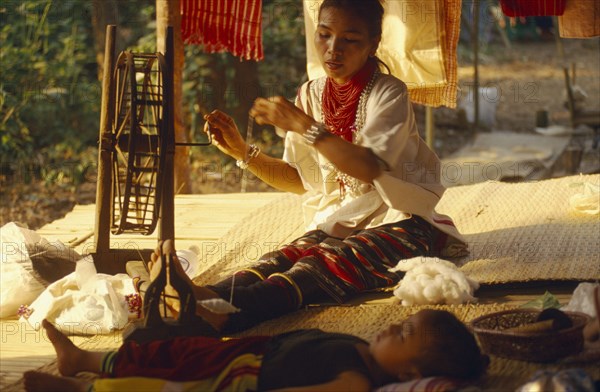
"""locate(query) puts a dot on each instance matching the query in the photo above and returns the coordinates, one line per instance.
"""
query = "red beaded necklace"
(340, 101)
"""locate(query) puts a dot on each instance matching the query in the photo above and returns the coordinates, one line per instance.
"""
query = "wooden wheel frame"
(135, 189)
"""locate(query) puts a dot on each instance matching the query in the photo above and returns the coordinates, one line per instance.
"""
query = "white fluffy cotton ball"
(430, 280)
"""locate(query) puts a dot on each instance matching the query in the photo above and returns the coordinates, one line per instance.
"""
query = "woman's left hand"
(281, 113)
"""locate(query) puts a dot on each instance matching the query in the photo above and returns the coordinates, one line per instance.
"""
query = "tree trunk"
(247, 89)
(104, 12)
(168, 14)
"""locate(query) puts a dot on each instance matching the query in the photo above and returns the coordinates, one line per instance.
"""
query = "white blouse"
(410, 184)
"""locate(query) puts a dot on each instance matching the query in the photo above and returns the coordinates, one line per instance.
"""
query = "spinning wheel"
(139, 131)
(137, 145)
(135, 178)
(135, 192)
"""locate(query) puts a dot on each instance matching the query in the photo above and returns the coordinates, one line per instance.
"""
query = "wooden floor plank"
(199, 220)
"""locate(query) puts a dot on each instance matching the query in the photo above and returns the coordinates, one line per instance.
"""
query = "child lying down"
(429, 343)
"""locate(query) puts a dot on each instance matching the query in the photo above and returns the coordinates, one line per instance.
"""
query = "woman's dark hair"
(453, 351)
(370, 11)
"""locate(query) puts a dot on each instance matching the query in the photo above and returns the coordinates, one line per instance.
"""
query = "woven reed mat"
(263, 230)
(366, 321)
(516, 232)
(526, 231)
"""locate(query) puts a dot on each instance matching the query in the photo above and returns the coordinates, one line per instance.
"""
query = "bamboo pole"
(429, 127)
(167, 207)
(168, 13)
(475, 38)
(103, 189)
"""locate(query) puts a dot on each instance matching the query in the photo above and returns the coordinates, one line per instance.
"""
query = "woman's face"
(343, 43)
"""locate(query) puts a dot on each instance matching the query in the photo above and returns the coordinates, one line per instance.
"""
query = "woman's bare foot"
(217, 321)
(155, 266)
(43, 382)
(70, 358)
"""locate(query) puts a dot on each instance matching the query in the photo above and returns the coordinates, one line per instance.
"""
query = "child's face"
(396, 348)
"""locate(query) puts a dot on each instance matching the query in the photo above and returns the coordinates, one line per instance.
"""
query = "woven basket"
(534, 347)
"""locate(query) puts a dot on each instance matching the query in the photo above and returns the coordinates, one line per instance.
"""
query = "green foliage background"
(50, 93)
(48, 90)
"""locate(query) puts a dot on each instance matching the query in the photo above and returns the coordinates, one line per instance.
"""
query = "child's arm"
(346, 381)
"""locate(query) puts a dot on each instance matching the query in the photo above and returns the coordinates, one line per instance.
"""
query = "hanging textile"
(418, 44)
(580, 20)
(514, 8)
(224, 26)
(444, 93)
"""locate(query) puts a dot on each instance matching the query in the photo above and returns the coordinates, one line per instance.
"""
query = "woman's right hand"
(225, 134)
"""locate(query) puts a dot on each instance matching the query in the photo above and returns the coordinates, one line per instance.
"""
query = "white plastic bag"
(23, 279)
(582, 299)
(189, 260)
(488, 101)
(84, 302)
(587, 202)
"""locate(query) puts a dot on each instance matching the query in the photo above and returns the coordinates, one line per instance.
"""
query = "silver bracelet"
(314, 133)
(252, 153)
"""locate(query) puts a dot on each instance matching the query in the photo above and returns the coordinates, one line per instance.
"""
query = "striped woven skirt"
(317, 268)
(184, 364)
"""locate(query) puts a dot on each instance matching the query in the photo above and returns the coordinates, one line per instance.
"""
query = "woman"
(372, 184)
(429, 343)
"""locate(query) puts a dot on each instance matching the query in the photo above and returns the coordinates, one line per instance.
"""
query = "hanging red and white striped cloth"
(224, 25)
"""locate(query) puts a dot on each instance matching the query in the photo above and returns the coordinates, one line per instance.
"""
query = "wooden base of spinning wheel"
(153, 326)
(111, 261)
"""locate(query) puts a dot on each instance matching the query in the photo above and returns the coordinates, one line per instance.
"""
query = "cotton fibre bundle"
(430, 280)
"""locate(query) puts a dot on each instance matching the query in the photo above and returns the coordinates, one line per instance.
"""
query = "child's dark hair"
(453, 351)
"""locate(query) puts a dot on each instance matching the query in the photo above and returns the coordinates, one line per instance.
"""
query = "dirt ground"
(529, 77)
(526, 78)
